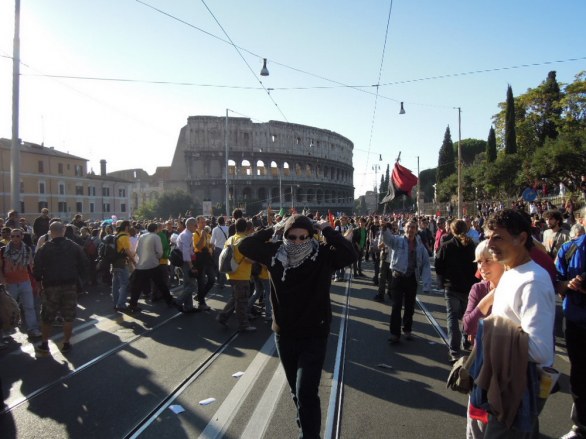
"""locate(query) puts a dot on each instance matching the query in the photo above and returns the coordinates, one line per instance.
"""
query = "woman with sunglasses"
(300, 271)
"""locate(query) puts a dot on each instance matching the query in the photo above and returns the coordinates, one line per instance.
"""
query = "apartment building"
(60, 182)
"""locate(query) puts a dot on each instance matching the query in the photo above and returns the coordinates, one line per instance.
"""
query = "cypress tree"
(551, 110)
(510, 133)
(446, 164)
(491, 146)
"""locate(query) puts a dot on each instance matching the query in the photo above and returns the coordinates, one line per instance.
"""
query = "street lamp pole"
(226, 152)
(15, 146)
(460, 190)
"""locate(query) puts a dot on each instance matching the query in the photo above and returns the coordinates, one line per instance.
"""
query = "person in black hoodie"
(301, 270)
(456, 270)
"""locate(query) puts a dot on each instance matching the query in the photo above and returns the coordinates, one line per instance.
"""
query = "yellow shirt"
(123, 242)
(197, 235)
(245, 266)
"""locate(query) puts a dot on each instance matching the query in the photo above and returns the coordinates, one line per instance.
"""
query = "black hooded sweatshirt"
(301, 303)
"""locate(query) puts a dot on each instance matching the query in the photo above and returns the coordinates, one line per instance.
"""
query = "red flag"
(331, 218)
(402, 182)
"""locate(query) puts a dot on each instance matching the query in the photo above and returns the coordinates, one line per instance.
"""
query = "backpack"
(9, 310)
(227, 263)
(90, 249)
(176, 258)
(107, 253)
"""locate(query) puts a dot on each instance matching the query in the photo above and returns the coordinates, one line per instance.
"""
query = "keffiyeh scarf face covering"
(292, 255)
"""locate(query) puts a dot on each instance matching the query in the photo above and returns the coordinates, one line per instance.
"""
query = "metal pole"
(15, 146)
(460, 194)
(226, 152)
(418, 187)
(280, 188)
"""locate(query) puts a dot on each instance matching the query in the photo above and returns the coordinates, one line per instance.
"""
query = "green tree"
(491, 146)
(510, 130)
(446, 164)
(573, 105)
(168, 204)
(560, 159)
(470, 149)
(426, 182)
(384, 184)
(447, 188)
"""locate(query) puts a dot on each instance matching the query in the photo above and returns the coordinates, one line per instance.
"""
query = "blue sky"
(312, 47)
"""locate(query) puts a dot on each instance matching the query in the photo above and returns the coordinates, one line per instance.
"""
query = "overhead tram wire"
(360, 88)
(380, 71)
(245, 62)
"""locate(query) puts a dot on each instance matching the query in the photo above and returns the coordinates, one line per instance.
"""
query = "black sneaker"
(66, 347)
(42, 348)
(379, 298)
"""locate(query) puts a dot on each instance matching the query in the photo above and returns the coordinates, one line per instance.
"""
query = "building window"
(22, 207)
(79, 207)
(78, 190)
(41, 187)
(78, 171)
(62, 207)
(41, 166)
(123, 207)
(122, 193)
(60, 168)
(105, 192)
(43, 205)
(61, 188)
(22, 187)
(92, 208)
(106, 207)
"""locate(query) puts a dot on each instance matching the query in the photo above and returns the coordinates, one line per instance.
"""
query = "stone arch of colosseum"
(273, 164)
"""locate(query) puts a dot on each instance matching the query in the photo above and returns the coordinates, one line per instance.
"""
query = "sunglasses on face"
(297, 238)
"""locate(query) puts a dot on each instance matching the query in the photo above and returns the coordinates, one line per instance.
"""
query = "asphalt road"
(162, 374)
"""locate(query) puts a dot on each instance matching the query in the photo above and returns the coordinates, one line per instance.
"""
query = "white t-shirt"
(219, 236)
(526, 296)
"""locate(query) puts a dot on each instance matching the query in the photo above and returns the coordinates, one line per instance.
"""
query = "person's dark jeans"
(206, 278)
(384, 279)
(357, 264)
(456, 304)
(576, 346)
(141, 282)
(302, 360)
(403, 290)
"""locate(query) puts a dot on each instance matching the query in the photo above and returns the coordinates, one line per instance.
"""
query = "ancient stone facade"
(274, 163)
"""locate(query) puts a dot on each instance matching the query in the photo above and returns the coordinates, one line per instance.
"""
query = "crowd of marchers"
(499, 271)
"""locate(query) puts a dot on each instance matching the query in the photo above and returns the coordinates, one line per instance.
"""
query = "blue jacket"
(576, 266)
(399, 257)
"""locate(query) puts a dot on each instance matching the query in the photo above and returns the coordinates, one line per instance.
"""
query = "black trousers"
(303, 360)
(140, 281)
(403, 290)
(206, 277)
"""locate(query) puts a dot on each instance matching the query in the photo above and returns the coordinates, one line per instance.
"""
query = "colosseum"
(273, 164)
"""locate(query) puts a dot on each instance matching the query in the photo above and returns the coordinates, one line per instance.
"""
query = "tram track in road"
(153, 414)
(261, 369)
(94, 361)
(222, 419)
